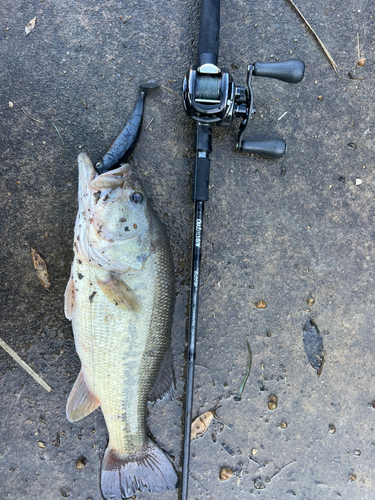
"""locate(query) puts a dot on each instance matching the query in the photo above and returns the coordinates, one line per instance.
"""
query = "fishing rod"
(211, 97)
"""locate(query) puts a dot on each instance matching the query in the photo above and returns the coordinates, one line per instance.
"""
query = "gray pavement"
(282, 231)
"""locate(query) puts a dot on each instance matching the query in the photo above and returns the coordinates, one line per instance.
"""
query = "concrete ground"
(281, 230)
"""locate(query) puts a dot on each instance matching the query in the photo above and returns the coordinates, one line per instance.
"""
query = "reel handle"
(274, 148)
(208, 42)
(288, 71)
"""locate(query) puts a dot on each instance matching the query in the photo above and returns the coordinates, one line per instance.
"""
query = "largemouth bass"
(120, 299)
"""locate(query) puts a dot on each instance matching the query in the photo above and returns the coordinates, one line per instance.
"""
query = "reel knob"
(275, 148)
(288, 71)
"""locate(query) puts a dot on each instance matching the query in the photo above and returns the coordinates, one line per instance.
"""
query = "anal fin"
(81, 401)
(164, 387)
(119, 293)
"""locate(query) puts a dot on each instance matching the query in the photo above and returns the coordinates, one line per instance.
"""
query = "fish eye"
(136, 197)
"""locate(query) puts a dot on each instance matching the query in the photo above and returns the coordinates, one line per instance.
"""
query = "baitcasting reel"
(210, 96)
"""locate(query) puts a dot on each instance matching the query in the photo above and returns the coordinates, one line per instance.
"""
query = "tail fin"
(123, 477)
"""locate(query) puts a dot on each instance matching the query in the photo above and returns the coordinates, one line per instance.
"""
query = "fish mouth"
(113, 179)
(90, 180)
(88, 174)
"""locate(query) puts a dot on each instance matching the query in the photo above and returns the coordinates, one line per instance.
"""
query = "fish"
(120, 299)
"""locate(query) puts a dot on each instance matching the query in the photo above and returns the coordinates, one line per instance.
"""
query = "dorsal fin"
(164, 387)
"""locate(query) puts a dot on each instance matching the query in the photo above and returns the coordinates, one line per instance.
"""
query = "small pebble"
(254, 451)
(320, 97)
(261, 304)
(331, 428)
(357, 453)
(41, 444)
(56, 442)
(10, 104)
(310, 301)
(283, 425)
(361, 62)
(352, 477)
(225, 474)
(358, 182)
(341, 178)
(258, 484)
(272, 402)
(81, 463)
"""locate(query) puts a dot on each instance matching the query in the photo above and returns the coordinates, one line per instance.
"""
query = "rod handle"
(288, 71)
(208, 42)
(274, 148)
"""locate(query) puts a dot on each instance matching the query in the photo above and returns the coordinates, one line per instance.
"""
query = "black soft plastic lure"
(124, 144)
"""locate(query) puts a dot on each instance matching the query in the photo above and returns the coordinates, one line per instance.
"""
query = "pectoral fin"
(118, 292)
(69, 299)
(81, 401)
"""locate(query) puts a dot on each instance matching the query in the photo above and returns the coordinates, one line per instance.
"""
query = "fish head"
(115, 202)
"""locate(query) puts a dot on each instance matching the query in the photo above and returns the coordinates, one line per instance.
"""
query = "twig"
(240, 391)
(29, 116)
(61, 139)
(170, 90)
(253, 460)
(335, 66)
(282, 116)
(282, 468)
(25, 366)
(152, 119)
(358, 51)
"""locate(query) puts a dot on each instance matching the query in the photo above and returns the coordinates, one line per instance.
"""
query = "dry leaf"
(30, 26)
(40, 268)
(200, 425)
